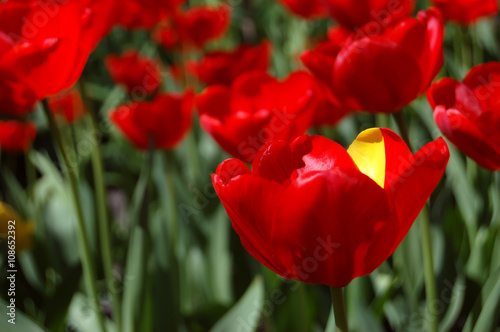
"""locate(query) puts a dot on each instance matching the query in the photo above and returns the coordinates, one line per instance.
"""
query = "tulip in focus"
(311, 211)
(468, 113)
(256, 110)
(384, 72)
(466, 11)
(16, 136)
(140, 75)
(162, 122)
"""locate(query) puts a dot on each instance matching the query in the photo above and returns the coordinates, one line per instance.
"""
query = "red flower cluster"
(466, 11)
(322, 215)
(381, 72)
(162, 122)
(140, 75)
(256, 110)
(223, 67)
(468, 113)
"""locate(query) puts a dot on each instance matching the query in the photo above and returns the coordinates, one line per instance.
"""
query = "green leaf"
(81, 315)
(246, 312)
(22, 322)
(490, 303)
(456, 303)
(133, 284)
(486, 308)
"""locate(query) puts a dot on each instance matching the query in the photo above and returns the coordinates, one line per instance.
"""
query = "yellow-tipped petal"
(368, 152)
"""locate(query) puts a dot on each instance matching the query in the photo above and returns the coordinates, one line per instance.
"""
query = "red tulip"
(144, 14)
(305, 8)
(68, 105)
(381, 13)
(384, 72)
(44, 46)
(16, 98)
(327, 111)
(167, 35)
(140, 75)
(16, 136)
(466, 11)
(201, 24)
(311, 211)
(164, 121)
(468, 113)
(255, 110)
(224, 67)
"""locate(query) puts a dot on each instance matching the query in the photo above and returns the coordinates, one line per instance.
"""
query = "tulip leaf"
(133, 281)
(486, 311)
(22, 322)
(456, 302)
(246, 312)
(81, 316)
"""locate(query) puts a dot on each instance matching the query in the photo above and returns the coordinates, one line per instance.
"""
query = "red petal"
(326, 224)
(416, 181)
(467, 137)
(375, 75)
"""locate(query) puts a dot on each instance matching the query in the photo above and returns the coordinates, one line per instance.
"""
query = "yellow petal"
(368, 153)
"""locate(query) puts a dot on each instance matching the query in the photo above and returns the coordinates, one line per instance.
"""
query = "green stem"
(88, 267)
(30, 176)
(430, 280)
(147, 246)
(172, 216)
(339, 309)
(102, 211)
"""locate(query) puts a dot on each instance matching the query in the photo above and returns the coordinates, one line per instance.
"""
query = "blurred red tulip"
(224, 67)
(201, 24)
(327, 111)
(311, 211)
(44, 46)
(165, 120)
(140, 75)
(306, 8)
(379, 13)
(468, 113)
(16, 136)
(384, 72)
(144, 14)
(16, 98)
(68, 105)
(466, 11)
(255, 110)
